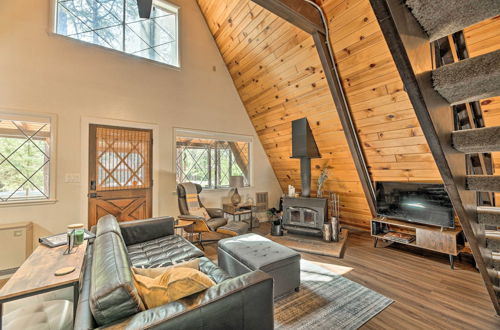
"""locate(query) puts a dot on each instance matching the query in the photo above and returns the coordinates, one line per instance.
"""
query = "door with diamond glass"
(120, 173)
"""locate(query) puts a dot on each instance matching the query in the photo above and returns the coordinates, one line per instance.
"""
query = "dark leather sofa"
(108, 298)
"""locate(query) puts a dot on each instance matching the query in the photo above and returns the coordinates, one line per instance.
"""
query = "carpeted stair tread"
(485, 139)
(469, 80)
(440, 18)
(495, 259)
(483, 182)
(488, 215)
(493, 245)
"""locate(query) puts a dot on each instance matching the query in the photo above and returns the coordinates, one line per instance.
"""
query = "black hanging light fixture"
(145, 7)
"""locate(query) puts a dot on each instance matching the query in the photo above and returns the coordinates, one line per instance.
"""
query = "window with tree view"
(211, 162)
(24, 160)
(116, 24)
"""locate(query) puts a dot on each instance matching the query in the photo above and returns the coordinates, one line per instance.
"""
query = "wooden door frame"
(84, 160)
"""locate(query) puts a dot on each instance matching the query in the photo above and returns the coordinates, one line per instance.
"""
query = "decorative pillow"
(175, 283)
(157, 271)
(200, 212)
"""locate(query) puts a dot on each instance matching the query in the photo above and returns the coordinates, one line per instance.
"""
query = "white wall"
(42, 72)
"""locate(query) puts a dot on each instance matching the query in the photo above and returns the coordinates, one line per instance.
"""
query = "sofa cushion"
(162, 252)
(173, 284)
(138, 231)
(213, 271)
(157, 271)
(202, 264)
(113, 295)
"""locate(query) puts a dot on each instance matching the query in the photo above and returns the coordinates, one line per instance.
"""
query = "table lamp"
(236, 182)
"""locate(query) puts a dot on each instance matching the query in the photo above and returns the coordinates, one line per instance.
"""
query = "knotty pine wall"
(480, 39)
(278, 75)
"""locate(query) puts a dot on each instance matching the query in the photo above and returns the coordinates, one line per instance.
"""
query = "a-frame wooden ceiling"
(278, 74)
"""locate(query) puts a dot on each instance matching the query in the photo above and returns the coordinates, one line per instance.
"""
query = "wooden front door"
(120, 173)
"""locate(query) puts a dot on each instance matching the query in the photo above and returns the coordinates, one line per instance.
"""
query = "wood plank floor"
(427, 293)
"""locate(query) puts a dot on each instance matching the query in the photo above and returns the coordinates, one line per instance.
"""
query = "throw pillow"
(175, 283)
(200, 212)
(157, 271)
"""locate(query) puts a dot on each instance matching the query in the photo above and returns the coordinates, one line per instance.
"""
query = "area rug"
(327, 301)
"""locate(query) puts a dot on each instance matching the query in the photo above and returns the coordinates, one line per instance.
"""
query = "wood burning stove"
(304, 215)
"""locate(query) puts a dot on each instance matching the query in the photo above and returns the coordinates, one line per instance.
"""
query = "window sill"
(214, 190)
(222, 189)
(28, 203)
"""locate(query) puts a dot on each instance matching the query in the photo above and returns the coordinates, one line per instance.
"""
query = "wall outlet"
(72, 178)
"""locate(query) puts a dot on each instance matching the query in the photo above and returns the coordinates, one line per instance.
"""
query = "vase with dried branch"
(321, 181)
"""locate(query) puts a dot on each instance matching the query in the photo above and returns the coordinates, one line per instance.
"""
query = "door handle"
(93, 195)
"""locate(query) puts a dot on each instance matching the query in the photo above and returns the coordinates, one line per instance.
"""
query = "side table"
(183, 225)
(36, 275)
(238, 212)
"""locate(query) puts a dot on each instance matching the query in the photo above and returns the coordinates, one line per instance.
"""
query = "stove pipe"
(304, 147)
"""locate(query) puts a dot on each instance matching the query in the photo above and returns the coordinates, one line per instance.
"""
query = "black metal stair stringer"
(412, 53)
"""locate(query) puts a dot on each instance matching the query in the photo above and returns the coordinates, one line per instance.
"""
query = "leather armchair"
(201, 224)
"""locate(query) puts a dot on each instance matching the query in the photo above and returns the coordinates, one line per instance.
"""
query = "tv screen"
(416, 202)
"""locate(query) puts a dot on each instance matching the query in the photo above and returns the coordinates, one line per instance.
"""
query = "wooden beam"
(411, 51)
(344, 113)
(297, 12)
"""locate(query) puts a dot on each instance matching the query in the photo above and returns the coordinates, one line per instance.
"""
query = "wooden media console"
(443, 240)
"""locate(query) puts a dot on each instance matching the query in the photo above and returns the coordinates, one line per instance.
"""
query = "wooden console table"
(426, 237)
(36, 274)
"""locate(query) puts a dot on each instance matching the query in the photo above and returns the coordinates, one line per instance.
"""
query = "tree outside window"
(24, 160)
(211, 162)
(116, 24)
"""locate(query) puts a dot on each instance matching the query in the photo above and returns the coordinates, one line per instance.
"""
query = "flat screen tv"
(422, 203)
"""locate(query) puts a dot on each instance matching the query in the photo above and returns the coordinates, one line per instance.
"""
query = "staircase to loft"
(444, 93)
(468, 115)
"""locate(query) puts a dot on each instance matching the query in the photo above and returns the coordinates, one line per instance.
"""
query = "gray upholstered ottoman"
(242, 254)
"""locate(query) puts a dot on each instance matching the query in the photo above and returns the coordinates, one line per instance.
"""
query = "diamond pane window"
(25, 152)
(211, 162)
(116, 24)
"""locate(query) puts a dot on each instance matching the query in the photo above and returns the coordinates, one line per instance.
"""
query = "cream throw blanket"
(193, 202)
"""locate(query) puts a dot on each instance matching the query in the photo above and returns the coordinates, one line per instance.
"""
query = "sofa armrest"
(139, 231)
(84, 320)
(215, 213)
(244, 302)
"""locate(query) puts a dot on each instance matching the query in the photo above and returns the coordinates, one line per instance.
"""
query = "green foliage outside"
(116, 24)
(197, 162)
(27, 159)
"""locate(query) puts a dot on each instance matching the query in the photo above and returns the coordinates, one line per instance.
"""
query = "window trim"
(52, 119)
(162, 3)
(195, 133)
